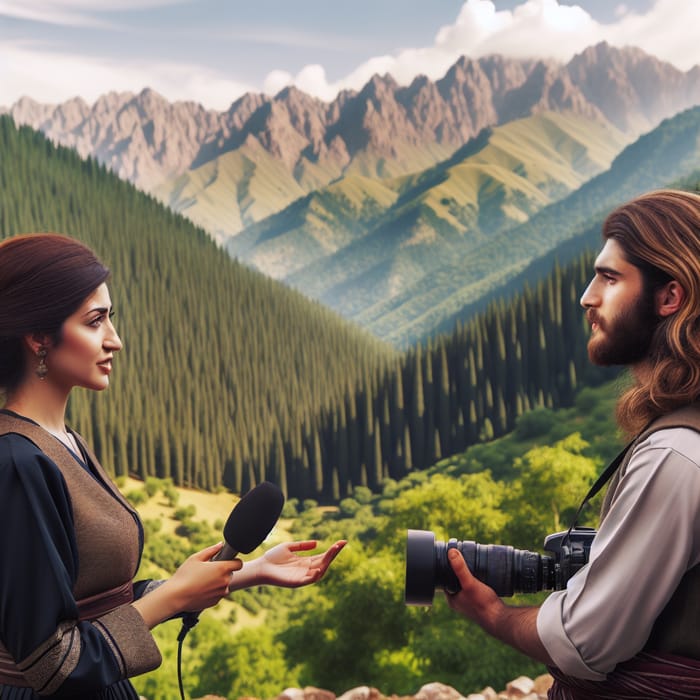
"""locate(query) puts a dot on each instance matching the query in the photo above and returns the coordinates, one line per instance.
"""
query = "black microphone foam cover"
(253, 518)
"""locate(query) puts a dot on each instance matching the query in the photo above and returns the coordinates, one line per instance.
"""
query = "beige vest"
(106, 529)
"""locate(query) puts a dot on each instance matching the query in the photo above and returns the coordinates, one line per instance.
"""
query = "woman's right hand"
(198, 583)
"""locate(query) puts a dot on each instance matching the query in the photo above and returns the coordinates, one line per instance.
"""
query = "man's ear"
(669, 298)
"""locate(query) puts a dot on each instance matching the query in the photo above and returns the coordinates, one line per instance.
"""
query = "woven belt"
(89, 608)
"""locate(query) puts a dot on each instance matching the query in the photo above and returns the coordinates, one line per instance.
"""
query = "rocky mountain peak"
(29, 111)
(548, 87)
(147, 139)
(379, 86)
(634, 90)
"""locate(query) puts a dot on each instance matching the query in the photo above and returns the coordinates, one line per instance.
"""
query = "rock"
(309, 693)
(520, 687)
(438, 691)
(364, 692)
(291, 694)
(487, 693)
(542, 684)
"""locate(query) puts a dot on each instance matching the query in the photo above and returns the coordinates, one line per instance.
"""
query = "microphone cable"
(189, 620)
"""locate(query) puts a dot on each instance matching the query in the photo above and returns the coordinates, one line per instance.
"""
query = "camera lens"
(505, 569)
(421, 567)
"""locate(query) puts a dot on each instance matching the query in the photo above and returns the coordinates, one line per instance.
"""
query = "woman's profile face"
(83, 357)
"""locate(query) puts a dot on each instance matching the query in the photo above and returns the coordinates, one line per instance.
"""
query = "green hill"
(661, 157)
(218, 359)
(232, 190)
(360, 243)
(587, 240)
(314, 227)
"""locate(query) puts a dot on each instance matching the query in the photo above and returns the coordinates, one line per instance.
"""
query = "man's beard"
(624, 340)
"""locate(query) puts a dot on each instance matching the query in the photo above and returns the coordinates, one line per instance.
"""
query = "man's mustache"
(592, 317)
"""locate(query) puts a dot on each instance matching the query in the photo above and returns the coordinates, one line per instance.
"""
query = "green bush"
(172, 495)
(136, 497)
(536, 423)
(152, 485)
(290, 508)
(185, 513)
(152, 526)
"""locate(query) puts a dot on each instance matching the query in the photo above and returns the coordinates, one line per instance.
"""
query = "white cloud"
(73, 13)
(25, 73)
(536, 28)
(50, 13)
(668, 31)
(533, 28)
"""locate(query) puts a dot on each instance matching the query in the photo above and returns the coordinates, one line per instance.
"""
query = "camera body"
(505, 569)
(570, 550)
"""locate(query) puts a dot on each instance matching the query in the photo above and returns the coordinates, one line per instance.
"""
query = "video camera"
(505, 569)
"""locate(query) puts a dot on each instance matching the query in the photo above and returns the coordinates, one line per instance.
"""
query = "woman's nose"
(113, 341)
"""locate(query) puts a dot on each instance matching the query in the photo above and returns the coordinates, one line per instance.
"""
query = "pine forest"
(228, 378)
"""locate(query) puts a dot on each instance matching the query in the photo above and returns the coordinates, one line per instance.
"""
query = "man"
(627, 625)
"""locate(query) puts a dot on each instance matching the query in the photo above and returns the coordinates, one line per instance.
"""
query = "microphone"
(251, 520)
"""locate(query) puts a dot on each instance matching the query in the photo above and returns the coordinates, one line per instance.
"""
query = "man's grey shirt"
(648, 540)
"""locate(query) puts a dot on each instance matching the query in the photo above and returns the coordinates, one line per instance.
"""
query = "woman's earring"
(41, 369)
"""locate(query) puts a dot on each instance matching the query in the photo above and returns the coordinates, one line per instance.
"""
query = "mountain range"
(556, 233)
(360, 201)
(361, 241)
(382, 130)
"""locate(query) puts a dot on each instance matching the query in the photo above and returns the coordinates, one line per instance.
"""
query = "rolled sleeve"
(561, 649)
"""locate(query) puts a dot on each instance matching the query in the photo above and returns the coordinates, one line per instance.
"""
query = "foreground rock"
(522, 688)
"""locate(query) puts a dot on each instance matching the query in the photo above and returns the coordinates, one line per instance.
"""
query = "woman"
(72, 622)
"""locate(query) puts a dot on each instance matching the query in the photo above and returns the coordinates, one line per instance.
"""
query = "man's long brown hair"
(660, 234)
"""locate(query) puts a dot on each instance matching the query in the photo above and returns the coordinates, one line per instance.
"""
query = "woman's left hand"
(282, 566)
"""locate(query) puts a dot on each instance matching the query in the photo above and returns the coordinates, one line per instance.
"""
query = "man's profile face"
(620, 310)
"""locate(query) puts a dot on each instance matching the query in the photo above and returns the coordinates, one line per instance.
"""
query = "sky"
(214, 51)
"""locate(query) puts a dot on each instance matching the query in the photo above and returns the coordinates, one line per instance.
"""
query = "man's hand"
(478, 602)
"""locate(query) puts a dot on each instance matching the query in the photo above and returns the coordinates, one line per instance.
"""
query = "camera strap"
(686, 417)
(600, 482)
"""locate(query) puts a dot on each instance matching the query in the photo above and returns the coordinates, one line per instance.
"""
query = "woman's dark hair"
(44, 278)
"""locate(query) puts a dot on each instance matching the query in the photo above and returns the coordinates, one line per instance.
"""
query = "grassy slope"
(509, 176)
(660, 157)
(232, 190)
(211, 509)
(247, 184)
(314, 227)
